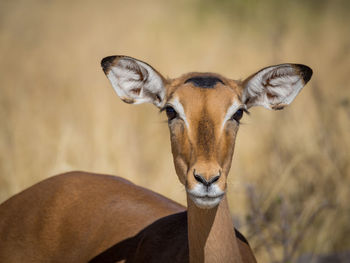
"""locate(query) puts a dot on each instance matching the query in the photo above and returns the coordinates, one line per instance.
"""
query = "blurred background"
(289, 187)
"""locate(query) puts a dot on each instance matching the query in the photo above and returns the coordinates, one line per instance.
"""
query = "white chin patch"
(206, 197)
(206, 202)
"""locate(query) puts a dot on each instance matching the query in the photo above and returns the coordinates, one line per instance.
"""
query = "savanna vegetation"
(290, 177)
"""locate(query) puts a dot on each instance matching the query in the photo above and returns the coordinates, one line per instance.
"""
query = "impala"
(80, 217)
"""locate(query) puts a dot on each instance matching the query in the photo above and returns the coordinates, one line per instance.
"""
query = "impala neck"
(211, 235)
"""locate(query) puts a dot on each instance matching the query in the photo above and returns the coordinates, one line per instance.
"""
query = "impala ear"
(134, 81)
(275, 87)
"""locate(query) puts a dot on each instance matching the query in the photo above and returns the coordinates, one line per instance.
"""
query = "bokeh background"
(289, 187)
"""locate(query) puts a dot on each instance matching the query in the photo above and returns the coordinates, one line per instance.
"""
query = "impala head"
(204, 112)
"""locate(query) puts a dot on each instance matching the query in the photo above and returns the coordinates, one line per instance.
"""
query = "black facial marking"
(207, 82)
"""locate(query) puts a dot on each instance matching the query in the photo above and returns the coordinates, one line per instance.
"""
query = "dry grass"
(59, 113)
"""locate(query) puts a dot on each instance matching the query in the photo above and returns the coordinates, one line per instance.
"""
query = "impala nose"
(207, 181)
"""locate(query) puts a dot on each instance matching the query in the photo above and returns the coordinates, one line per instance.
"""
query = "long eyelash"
(246, 111)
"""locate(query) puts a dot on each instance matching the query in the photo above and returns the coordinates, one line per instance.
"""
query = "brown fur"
(205, 110)
(207, 148)
(77, 216)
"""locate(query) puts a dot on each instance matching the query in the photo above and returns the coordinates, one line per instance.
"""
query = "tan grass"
(58, 112)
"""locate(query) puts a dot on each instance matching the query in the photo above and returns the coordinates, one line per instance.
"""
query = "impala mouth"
(205, 196)
(206, 201)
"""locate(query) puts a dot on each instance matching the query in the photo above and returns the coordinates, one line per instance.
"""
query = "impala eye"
(238, 115)
(170, 113)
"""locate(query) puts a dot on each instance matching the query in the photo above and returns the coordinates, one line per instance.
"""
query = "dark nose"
(207, 182)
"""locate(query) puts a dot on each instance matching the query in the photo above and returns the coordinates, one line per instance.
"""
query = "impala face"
(204, 111)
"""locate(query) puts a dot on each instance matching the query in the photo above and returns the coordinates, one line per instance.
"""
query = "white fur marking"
(283, 82)
(125, 80)
(206, 197)
(231, 110)
(175, 103)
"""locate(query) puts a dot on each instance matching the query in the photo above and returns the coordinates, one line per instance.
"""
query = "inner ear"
(275, 87)
(134, 81)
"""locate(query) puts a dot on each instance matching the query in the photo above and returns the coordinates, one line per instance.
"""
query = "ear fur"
(275, 87)
(134, 81)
